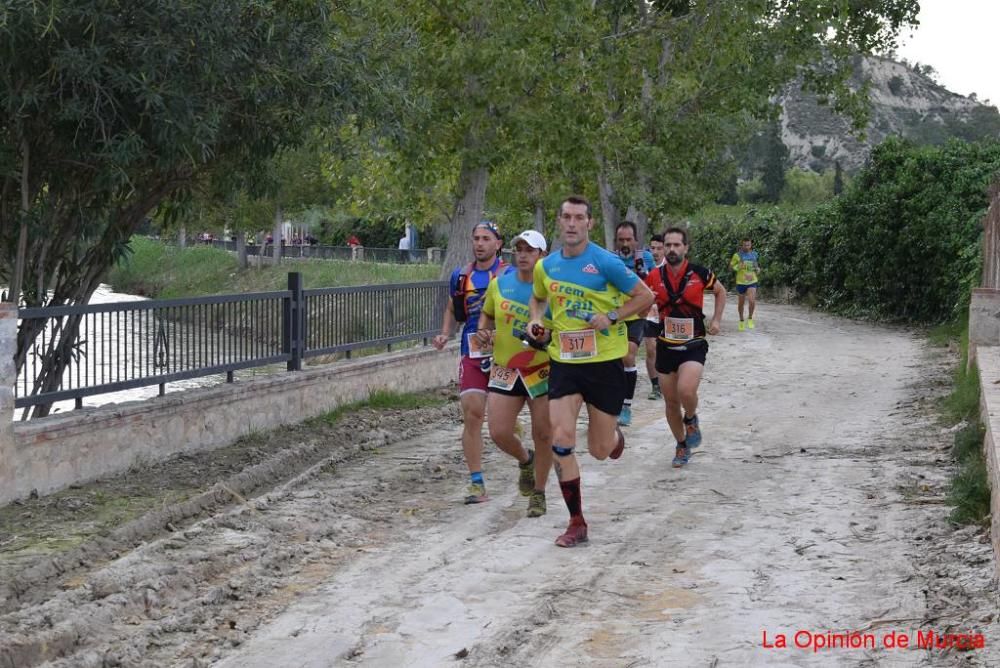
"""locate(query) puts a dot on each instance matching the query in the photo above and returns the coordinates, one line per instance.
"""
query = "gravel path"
(814, 505)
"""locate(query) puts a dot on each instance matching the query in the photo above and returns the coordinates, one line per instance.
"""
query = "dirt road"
(813, 506)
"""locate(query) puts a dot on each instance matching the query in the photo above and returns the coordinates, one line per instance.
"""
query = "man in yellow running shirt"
(590, 294)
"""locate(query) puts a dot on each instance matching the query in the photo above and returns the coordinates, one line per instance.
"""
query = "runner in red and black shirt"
(679, 288)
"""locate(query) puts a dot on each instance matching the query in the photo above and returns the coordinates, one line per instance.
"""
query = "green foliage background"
(902, 243)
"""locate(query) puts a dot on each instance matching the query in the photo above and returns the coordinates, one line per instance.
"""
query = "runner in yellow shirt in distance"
(746, 263)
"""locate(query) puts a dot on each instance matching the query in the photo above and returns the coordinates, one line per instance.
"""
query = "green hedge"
(901, 243)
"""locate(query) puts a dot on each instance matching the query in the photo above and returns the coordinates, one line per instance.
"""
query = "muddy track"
(816, 503)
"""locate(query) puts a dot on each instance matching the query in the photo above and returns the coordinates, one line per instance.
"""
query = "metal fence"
(367, 254)
(124, 345)
(991, 241)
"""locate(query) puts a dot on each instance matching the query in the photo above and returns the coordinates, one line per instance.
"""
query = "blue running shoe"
(693, 432)
(680, 457)
(625, 417)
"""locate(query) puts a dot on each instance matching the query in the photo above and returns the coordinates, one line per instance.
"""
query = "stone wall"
(988, 363)
(51, 453)
(984, 320)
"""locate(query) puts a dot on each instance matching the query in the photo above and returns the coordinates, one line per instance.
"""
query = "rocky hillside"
(904, 101)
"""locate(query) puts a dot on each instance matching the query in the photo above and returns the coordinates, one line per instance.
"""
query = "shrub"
(901, 243)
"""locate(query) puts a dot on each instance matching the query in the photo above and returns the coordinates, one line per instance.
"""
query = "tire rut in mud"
(185, 582)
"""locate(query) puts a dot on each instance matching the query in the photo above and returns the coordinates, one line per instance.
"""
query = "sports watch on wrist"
(613, 317)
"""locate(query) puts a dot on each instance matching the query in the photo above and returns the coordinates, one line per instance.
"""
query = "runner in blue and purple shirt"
(467, 286)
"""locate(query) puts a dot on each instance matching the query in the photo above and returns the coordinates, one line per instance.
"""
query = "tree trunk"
(22, 240)
(540, 217)
(277, 234)
(182, 237)
(638, 218)
(609, 212)
(241, 249)
(468, 212)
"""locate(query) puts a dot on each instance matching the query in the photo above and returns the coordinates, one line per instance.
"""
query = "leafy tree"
(775, 163)
(111, 109)
(903, 241)
(680, 83)
(635, 103)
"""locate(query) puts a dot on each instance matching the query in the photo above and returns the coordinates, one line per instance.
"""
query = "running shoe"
(625, 417)
(620, 448)
(576, 533)
(536, 504)
(680, 457)
(750, 323)
(655, 394)
(476, 493)
(742, 326)
(526, 479)
(693, 433)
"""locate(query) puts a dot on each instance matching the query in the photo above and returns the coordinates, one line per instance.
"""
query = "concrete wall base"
(988, 364)
(52, 453)
(984, 320)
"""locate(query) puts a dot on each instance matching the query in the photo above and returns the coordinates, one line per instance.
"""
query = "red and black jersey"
(680, 297)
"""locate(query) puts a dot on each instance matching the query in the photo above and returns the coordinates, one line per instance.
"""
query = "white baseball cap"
(532, 238)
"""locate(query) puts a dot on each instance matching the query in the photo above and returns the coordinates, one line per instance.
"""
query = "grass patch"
(947, 334)
(970, 487)
(384, 400)
(159, 270)
(969, 492)
(962, 403)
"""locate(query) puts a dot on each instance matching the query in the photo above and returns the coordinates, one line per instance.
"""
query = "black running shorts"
(653, 329)
(519, 390)
(670, 357)
(636, 330)
(601, 384)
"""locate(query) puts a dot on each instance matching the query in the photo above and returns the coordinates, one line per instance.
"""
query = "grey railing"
(125, 345)
(366, 253)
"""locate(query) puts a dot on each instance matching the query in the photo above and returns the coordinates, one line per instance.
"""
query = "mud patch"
(49, 538)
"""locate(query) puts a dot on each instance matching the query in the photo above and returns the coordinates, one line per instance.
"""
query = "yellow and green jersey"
(578, 288)
(507, 303)
(746, 265)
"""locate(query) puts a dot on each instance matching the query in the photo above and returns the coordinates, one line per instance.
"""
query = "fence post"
(8, 379)
(292, 320)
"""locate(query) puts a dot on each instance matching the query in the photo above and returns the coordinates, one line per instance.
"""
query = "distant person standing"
(467, 286)
(404, 248)
(414, 236)
(746, 264)
(353, 241)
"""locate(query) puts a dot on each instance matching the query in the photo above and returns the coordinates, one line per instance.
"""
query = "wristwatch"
(613, 317)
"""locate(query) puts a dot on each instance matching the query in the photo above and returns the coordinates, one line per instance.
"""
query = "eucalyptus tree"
(638, 101)
(478, 75)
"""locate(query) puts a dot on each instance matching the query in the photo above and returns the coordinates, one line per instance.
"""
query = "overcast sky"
(958, 39)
